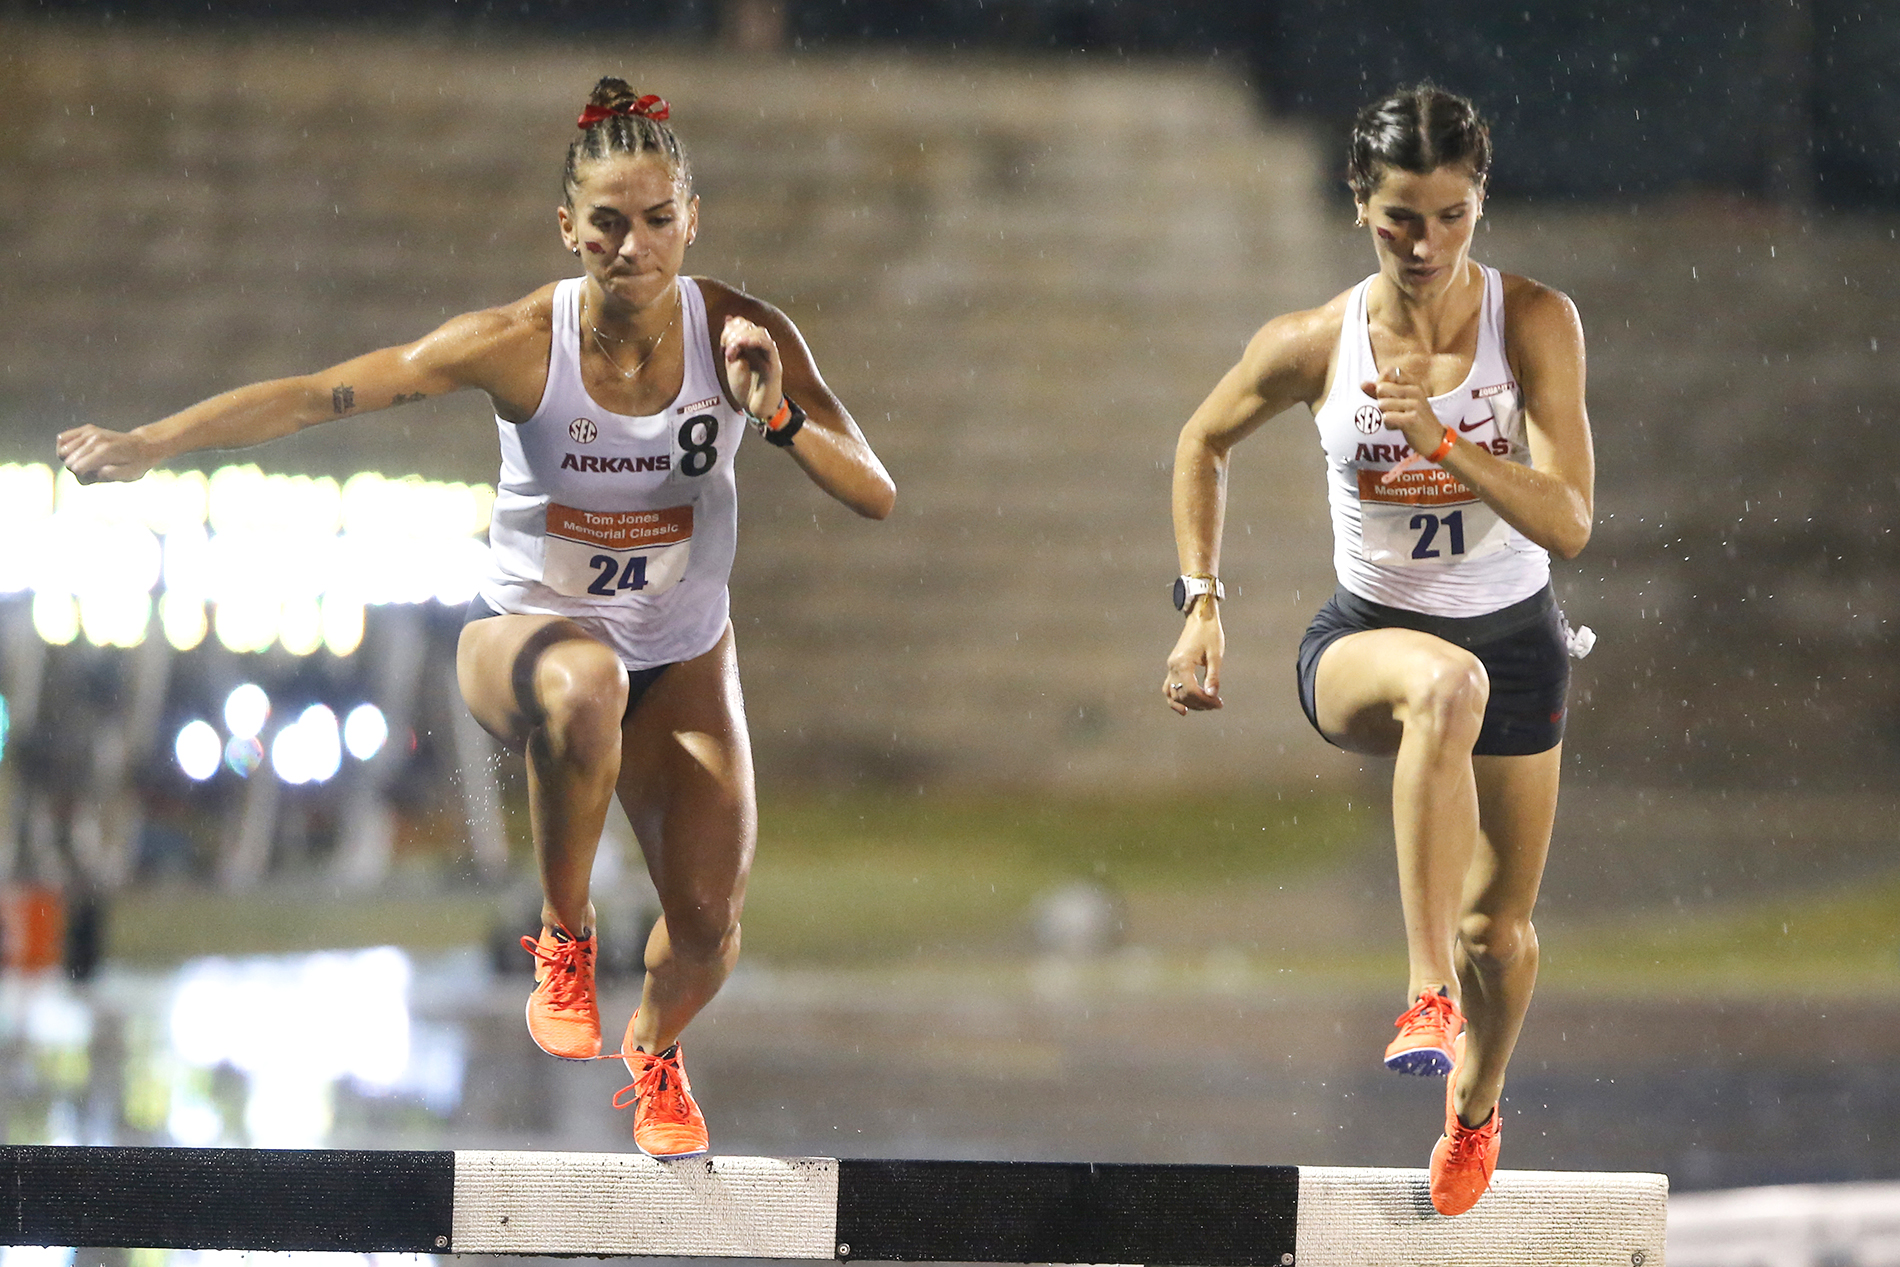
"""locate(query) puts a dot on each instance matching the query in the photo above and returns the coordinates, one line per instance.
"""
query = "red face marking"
(1385, 235)
(598, 249)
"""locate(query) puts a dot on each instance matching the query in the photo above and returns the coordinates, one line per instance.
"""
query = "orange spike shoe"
(563, 1018)
(1465, 1157)
(1427, 1030)
(666, 1120)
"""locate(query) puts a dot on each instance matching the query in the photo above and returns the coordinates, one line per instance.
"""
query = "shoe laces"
(566, 982)
(1433, 1011)
(1469, 1143)
(661, 1083)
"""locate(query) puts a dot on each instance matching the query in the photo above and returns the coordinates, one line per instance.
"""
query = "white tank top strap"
(565, 351)
(700, 366)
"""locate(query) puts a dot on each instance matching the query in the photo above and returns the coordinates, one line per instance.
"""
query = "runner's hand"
(1193, 681)
(93, 454)
(752, 366)
(1408, 410)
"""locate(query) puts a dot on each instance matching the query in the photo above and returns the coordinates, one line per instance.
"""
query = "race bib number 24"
(616, 553)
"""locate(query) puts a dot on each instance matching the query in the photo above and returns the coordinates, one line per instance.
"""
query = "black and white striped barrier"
(613, 1204)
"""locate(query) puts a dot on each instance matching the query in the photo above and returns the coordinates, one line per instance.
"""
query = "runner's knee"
(581, 687)
(1496, 942)
(704, 927)
(1448, 697)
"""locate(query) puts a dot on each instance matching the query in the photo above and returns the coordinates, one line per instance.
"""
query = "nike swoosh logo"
(1473, 426)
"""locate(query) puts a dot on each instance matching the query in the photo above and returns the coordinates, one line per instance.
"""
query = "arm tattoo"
(342, 399)
(400, 399)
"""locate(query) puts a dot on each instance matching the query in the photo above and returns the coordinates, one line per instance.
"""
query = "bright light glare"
(198, 751)
(308, 750)
(246, 711)
(365, 731)
(184, 620)
(305, 1022)
(55, 617)
(115, 618)
(282, 559)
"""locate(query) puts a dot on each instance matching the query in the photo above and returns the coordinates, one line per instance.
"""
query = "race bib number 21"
(1426, 516)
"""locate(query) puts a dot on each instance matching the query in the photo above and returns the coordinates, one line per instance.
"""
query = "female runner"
(1449, 402)
(600, 643)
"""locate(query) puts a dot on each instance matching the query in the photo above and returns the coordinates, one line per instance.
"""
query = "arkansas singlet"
(625, 525)
(1425, 543)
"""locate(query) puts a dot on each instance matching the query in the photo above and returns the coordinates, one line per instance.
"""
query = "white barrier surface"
(1354, 1217)
(624, 1203)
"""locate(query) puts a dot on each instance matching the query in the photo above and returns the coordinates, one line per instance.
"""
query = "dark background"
(1792, 100)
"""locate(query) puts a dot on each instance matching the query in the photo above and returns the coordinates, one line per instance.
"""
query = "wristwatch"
(1188, 588)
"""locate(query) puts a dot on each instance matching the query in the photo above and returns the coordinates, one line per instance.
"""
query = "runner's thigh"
(1364, 679)
(496, 661)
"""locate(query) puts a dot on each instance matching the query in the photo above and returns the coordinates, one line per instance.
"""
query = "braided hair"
(619, 120)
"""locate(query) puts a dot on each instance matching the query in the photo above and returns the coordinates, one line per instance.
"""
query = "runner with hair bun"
(1449, 400)
(601, 643)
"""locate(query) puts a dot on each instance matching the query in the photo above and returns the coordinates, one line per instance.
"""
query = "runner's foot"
(1465, 1157)
(1426, 1032)
(666, 1120)
(563, 1019)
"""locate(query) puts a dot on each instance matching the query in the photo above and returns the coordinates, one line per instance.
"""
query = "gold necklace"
(600, 343)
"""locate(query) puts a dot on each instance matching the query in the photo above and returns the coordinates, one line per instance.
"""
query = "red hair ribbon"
(647, 107)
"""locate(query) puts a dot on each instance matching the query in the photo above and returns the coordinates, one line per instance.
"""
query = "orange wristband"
(1444, 447)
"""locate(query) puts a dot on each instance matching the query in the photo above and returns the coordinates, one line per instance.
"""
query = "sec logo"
(1368, 419)
(583, 430)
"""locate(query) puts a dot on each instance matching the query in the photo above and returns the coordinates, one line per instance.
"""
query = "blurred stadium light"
(283, 560)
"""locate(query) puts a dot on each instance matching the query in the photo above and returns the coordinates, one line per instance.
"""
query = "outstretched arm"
(1284, 364)
(462, 353)
(766, 358)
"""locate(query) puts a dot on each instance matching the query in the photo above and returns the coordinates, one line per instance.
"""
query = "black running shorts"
(1521, 648)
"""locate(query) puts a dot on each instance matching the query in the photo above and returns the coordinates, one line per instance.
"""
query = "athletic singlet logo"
(707, 403)
(1368, 419)
(587, 463)
(582, 430)
(1496, 389)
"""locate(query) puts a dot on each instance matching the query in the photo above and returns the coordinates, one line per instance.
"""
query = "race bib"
(1424, 516)
(616, 553)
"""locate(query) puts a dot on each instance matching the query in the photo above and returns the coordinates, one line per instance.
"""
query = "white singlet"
(1425, 543)
(625, 525)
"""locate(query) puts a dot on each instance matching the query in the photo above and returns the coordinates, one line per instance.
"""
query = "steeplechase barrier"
(615, 1204)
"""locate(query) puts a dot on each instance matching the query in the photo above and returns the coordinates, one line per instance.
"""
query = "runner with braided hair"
(601, 643)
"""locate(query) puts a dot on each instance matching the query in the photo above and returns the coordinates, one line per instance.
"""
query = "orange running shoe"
(1426, 1032)
(563, 1019)
(666, 1120)
(1465, 1157)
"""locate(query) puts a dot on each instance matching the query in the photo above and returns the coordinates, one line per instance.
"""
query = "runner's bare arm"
(478, 349)
(1285, 363)
(829, 447)
(1550, 501)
